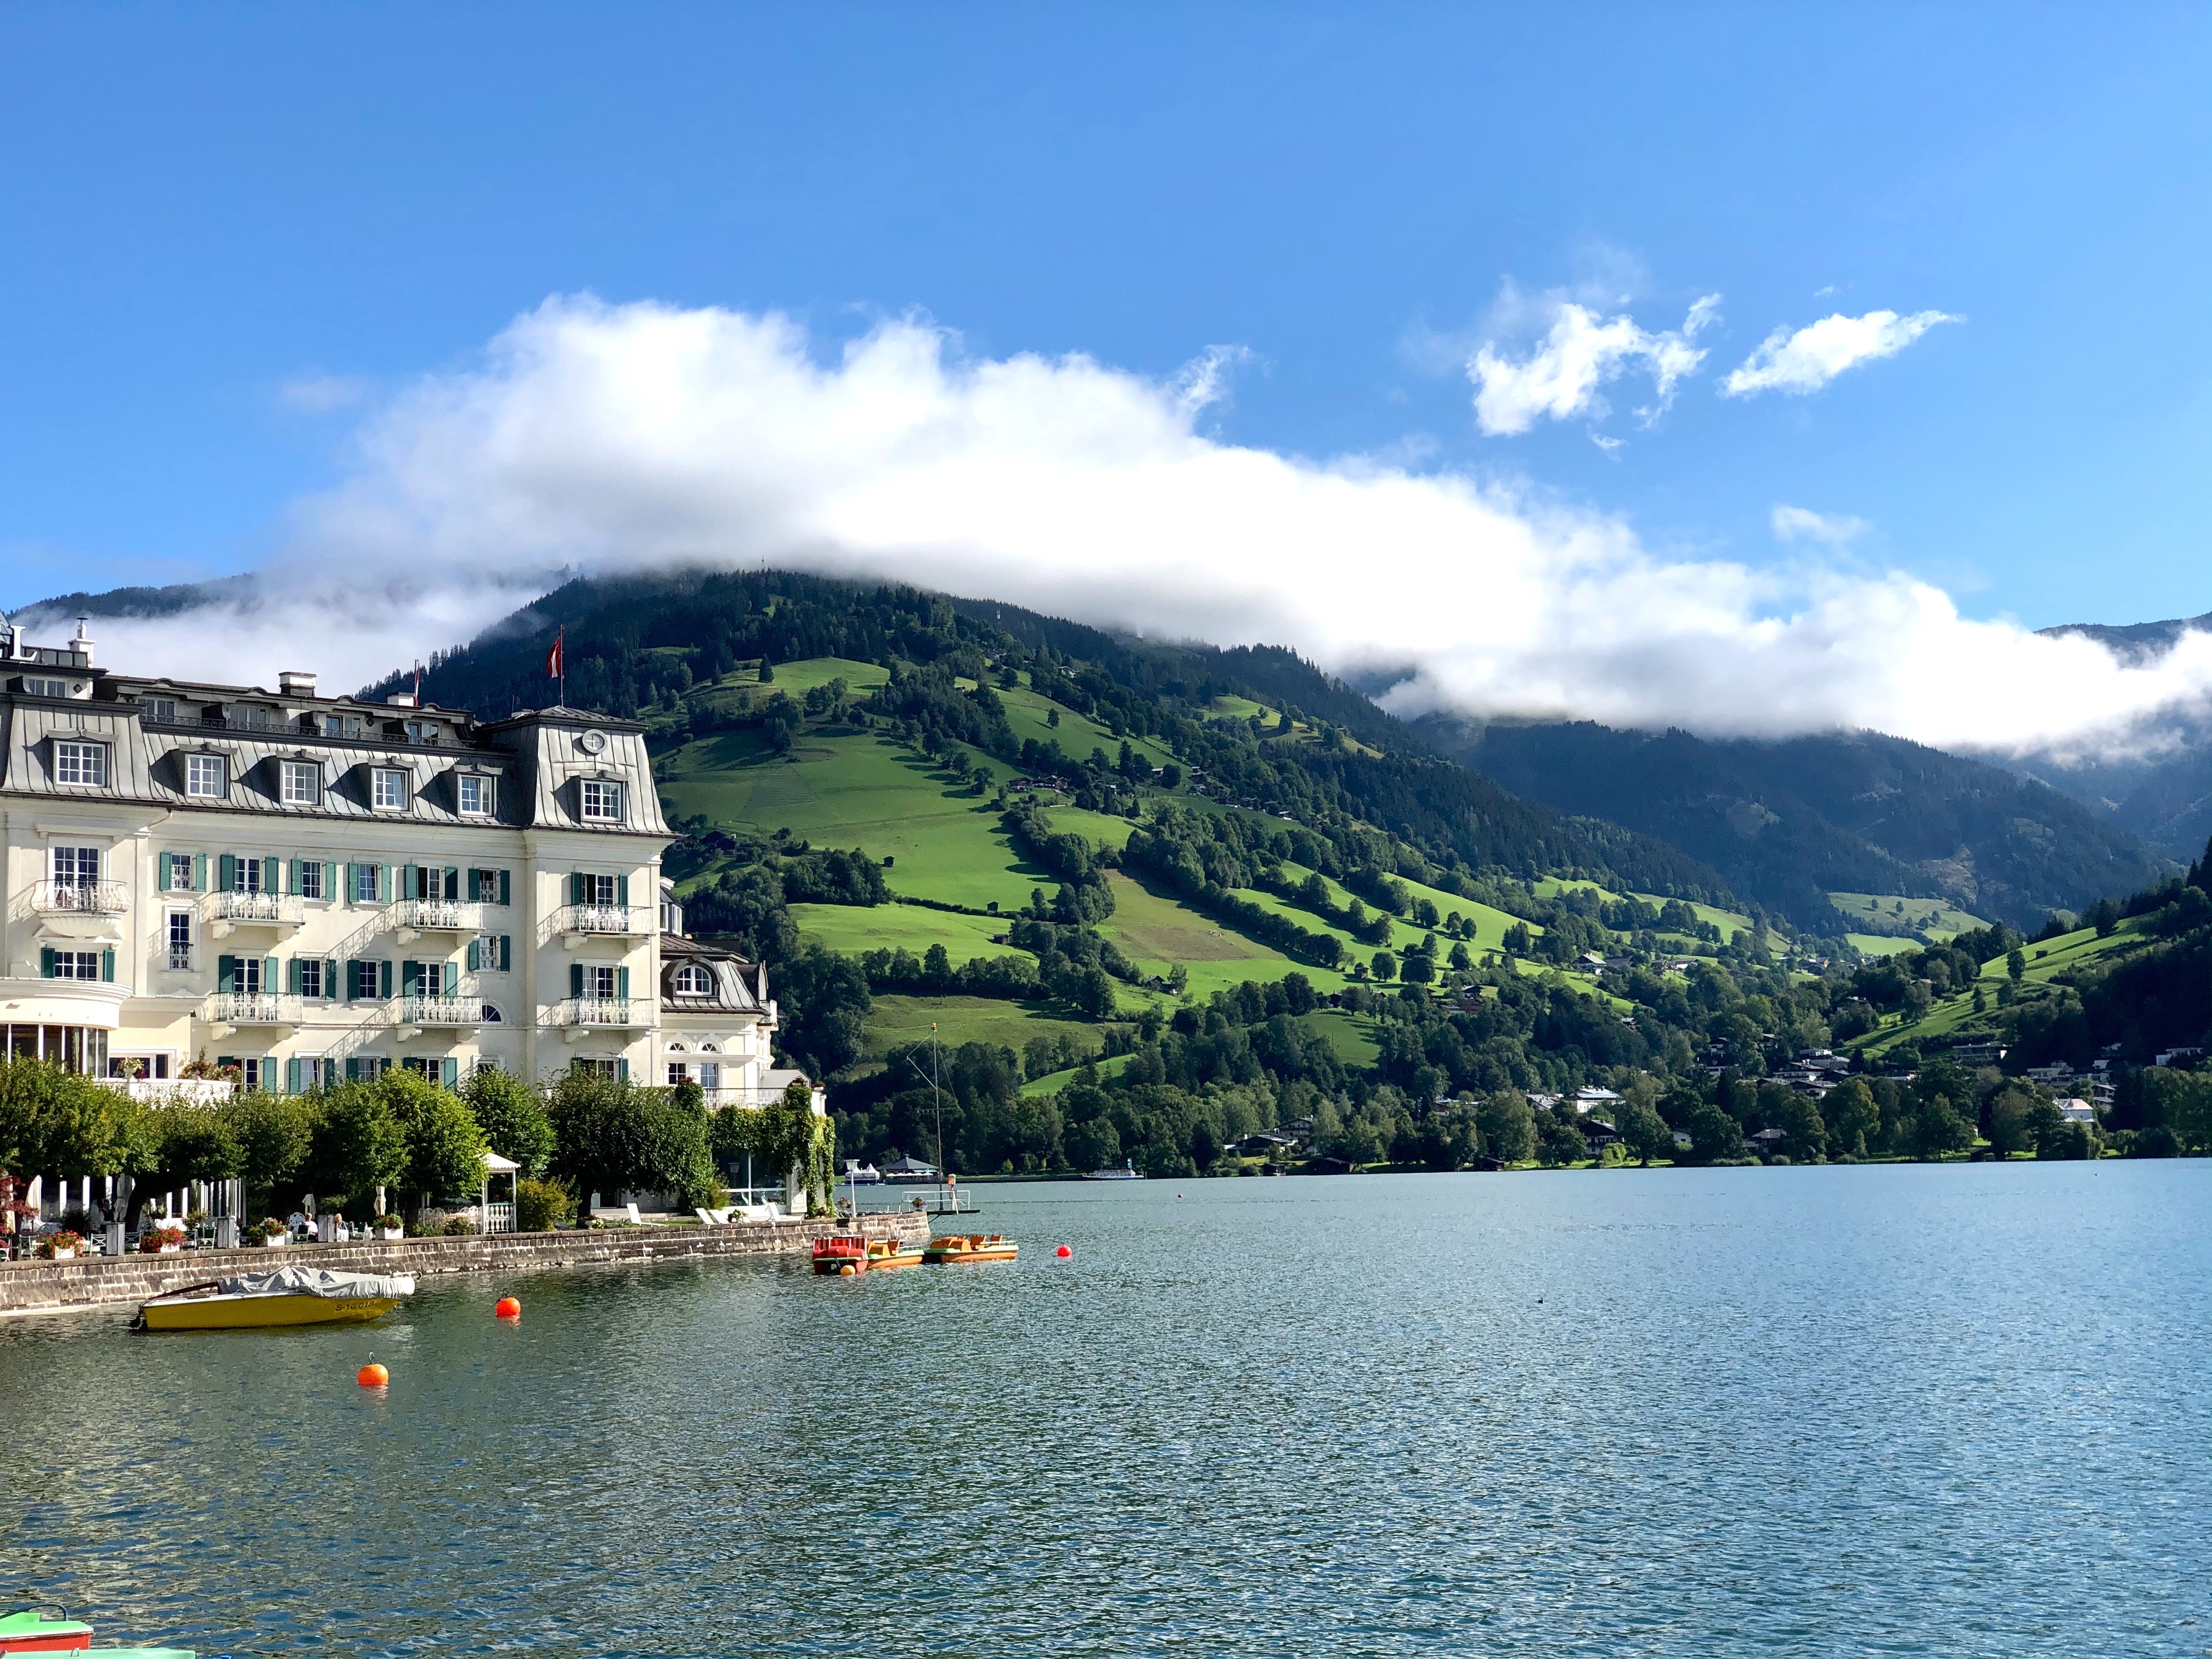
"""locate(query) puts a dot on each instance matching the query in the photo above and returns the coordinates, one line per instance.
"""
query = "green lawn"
(796, 679)
(1076, 734)
(1878, 913)
(1156, 933)
(1093, 827)
(860, 790)
(1729, 922)
(1878, 944)
(1052, 1082)
(850, 929)
(2045, 961)
(896, 1020)
(1352, 1035)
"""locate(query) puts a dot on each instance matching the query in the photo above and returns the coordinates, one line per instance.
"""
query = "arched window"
(691, 981)
(708, 1048)
(675, 1048)
(491, 1015)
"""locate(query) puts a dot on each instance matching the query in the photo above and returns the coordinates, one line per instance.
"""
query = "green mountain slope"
(1790, 823)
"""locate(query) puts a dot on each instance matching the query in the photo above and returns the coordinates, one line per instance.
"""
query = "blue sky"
(208, 209)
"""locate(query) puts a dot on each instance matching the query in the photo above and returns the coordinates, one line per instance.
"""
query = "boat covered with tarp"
(278, 1296)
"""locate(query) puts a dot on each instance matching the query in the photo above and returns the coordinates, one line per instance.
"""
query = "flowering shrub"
(151, 1241)
(272, 1227)
(54, 1244)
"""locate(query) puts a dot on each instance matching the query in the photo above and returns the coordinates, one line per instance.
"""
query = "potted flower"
(166, 1239)
(62, 1246)
(391, 1228)
(274, 1233)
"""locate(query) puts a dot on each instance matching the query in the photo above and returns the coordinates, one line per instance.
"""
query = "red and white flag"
(554, 666)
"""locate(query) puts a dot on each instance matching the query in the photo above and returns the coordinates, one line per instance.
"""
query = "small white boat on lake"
(1126, 1172)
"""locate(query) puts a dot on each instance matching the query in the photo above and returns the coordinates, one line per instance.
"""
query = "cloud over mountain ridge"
(615, 437)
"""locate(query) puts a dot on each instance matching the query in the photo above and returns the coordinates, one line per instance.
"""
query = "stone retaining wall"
(91, 1282)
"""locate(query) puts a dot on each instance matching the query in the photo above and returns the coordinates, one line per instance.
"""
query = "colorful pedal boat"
(885, 1254)
(287, 1296)
(963, 1248)
(841, 1253)
(29, 1631)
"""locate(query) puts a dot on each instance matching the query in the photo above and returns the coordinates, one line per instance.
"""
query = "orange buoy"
(1063, 1250)
(507, 1308)
(372, 1375)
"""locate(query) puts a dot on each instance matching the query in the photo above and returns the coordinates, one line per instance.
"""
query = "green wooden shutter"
(161, 870)
(575, 975)
(292, 971)
(353, 1068)
(621, 983)
(229, 877)
(476, 956)
(225, 974)
(451, 1070)
(411, 979)
(272, 976)
(621, 892)
(384, 978)
(622, 1070)
(575, 887)
(272, 875)
(505, 894)
(453, 885)
(503, 940)
(200, 872)
(107, 964)
(47, 961)
(330, 982)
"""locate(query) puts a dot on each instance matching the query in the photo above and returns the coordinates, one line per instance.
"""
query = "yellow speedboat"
(287, 1296)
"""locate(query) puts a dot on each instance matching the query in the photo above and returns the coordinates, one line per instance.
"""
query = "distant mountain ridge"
(1789, 822)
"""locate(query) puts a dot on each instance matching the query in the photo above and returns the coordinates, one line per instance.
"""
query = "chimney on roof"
(294, 683)
(82, 643)
(401, 700)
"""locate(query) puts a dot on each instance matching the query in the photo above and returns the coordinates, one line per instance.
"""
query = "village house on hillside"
(309, 888)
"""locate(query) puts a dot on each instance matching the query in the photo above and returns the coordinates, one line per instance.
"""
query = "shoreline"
(30, 1288)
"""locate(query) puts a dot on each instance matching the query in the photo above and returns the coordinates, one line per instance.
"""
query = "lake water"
(1957, 1410)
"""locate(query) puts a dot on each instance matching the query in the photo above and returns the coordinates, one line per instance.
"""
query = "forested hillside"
(1789, 823)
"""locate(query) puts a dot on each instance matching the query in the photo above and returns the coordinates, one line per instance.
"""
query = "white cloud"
(1203, 382)
(1814, 355)
(636, 437)
(318, 394)
(1801, 523)
(1580, 352)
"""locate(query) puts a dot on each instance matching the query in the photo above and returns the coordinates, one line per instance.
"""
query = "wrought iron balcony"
(579, 922)
(80, 898)
(254, 1008)
(581, 1014)
(438, 916)
(237, 909)
(441, 1011)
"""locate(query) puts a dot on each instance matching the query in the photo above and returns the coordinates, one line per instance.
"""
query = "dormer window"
(475, 792)
(602, 801)
(303, 783)
(40, 688)
(81, 763)
(162, 711)
(206, 777)
(692, 980)
(388, 789)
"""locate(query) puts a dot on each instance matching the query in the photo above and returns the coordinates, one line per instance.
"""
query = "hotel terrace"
(314, 888)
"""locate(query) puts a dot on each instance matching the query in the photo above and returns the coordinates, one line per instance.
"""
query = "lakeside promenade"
(33, 1287)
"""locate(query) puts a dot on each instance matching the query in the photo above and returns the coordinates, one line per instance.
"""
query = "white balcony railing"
(718, 1098)
(180, 958)
(438, 916)
(442, 1010)
(80, 898)
(602, 1012)
(174, 1092)
(279, 909)
(254, 1008)
(620, 919)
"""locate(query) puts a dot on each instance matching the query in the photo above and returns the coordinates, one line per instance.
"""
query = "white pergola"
(494, 1164)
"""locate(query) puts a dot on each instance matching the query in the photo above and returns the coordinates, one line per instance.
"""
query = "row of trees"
(358, 1146)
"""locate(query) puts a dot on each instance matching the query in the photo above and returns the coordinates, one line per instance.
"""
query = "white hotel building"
(315, 888)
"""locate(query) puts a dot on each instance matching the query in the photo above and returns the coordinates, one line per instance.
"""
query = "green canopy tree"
(361, 1144)
(445, 1148)
(1507, 1126)
(53, 1122)
(513, 1117)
